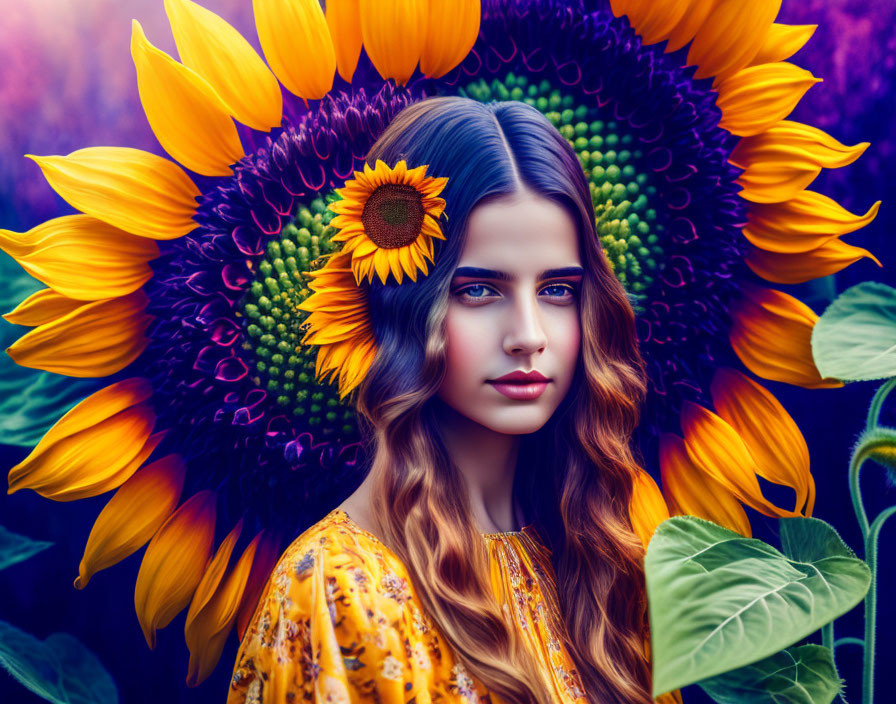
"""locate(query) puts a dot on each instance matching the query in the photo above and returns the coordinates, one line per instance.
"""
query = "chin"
(514, 421)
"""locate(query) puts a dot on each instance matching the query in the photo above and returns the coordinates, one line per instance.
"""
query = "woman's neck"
(487, 460)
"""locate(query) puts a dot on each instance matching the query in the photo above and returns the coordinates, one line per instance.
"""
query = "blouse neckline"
(527, 529)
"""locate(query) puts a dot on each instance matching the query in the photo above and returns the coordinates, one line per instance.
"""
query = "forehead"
(520, 232)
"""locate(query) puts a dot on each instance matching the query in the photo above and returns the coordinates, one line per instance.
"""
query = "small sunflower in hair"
(339, 323)
(388, 219)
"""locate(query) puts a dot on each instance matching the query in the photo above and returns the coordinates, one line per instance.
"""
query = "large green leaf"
(15, 548)
(855, 338)
(803, 675)
(719, 601)
(810, 539)
(59, 669)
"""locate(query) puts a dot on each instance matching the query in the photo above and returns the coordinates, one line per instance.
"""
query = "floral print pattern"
(339, 622)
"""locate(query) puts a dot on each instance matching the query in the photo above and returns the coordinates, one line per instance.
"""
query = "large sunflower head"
(175, 303)
(388, 219)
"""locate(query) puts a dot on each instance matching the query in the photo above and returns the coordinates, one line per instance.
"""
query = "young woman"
(488, 555)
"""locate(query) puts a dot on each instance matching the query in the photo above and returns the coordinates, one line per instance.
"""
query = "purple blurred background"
(67, 81)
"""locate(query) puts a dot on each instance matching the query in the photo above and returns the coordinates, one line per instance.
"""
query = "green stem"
(848, 641)
(827, 636)
(878, 401)
(871, 605)
(855, 464)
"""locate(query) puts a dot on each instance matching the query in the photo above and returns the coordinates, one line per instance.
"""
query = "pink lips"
(521, 386)
(521, 392)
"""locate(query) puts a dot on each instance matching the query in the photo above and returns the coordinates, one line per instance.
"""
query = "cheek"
(467, 344)
(567, 342)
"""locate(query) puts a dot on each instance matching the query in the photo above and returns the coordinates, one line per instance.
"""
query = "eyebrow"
(480, 273)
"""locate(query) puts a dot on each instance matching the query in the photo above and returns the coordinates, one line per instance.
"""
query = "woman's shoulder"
(341, 543)
(338, 614)
(337, 556)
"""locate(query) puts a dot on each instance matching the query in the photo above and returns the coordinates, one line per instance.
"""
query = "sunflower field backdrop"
(661, 174)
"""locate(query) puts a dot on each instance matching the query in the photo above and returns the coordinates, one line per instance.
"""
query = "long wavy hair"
(574, 476)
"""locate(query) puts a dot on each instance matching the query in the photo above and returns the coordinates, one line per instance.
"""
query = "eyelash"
(573, 290)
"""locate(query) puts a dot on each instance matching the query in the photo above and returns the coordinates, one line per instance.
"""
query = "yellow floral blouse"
(339, 622)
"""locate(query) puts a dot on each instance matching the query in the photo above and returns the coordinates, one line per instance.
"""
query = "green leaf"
(809, 539)
(16, 548)
(855, 338)
(59, 669)
(719, 601)
(803, 675)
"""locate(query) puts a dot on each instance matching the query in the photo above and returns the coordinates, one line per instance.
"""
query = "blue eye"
(466, 291)
(565, 288)
(561, 291)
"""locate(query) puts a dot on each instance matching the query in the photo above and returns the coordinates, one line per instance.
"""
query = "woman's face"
(511, 310)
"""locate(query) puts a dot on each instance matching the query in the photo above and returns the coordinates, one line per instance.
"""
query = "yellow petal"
(693, 492)
(174, 563)
(92, 448)
(221, 55)
(266, 555)
(394, 33)
(209, 625)
(673, 697)
(814, 143)
(691, 21)
(771, 334)
(731, 35)
(783, 160)
(41, 307)
(716, 448)
(82, 257)
(133, 515)
(622, 7)
(654, 21)
(130, 189)
(213, 575)
(97, 339)
(782, 42)
(452, 29)
(344, 23)
(802, 223)
(830, 257)
(780, 177)
(187, 116)
(648, 507)
(755, 98)
(297, 44)
(770, 434)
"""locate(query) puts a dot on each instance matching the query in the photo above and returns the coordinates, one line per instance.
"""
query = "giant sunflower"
(182, 285)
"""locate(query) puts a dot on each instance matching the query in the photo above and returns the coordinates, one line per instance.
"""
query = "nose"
(525, 332)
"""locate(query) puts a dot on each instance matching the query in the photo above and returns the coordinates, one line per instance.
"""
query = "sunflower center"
(393, 215)
(283, 366)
